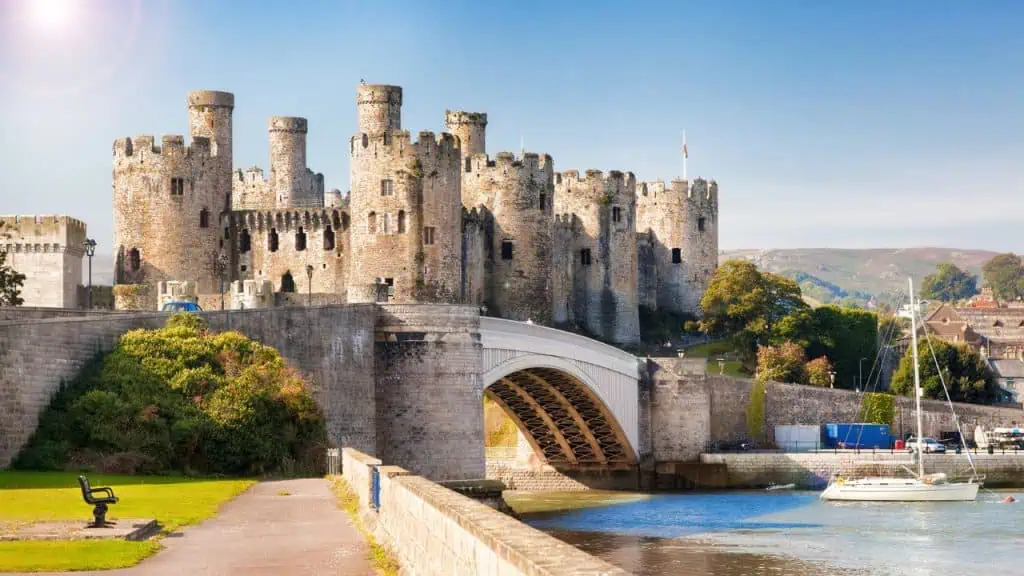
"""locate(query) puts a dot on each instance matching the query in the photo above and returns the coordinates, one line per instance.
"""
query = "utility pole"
(90, 251)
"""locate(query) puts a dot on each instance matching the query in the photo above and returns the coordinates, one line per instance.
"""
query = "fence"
(333, 461)
(749, 446)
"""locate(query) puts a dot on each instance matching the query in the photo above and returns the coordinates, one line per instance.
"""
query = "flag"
(685, 155)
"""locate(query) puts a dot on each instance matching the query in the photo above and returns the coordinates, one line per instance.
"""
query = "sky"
(827, 124)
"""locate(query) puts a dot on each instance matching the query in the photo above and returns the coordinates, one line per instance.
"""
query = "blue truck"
(858, 435)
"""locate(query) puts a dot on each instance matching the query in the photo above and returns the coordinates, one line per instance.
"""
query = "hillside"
(858, 273)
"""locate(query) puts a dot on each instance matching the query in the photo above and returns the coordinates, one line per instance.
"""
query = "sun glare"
(51, 15)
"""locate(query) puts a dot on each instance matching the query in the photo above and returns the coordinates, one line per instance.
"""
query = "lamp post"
(90, 251)
(309, 285)
(222, 266)
(832, 379)
(721, 366)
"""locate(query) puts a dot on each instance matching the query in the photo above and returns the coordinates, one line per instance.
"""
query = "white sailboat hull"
(900, 490)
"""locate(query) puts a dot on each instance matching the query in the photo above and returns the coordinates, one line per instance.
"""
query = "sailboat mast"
(917, 381)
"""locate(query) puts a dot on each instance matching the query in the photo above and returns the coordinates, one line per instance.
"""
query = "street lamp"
(309, 285)
(832, 379)
(222, 266)
(90, 251)
(721, 366)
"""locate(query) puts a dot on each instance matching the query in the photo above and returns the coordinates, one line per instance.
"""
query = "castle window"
(585, 257)
(506, 250)
(300, 240)
(272, 240)
(387, 138)
(616, 214)
(469, 164)
(677, 256)
(387, 187)
(287, 282)
(227, 233)
(371, 223)
(700, 224)
(177, 186)
(428, 235)
(401, 221)
(328, 238)
(204, 218)
(387, 223)
(366, 141)
(244, 241)
(543, 201)
(134, 259)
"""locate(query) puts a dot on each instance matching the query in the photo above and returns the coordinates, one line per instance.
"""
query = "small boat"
(780, 487)
(923, 487)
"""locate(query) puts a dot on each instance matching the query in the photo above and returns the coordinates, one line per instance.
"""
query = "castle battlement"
(699, 193)
(288, 124)
(594, 175)
(284, 220)
(427, 147)
(42, 233)
(379, 94)
(453, 117)
(144, 145)
(542, 164)
(211, 98)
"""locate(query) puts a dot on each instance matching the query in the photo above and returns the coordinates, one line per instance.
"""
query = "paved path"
(261, 532)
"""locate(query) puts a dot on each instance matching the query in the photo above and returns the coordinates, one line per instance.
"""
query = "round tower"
(209, 114)
(287, 137)
(405, 207)
(699, 240)
(605, 275)
(471, 129)
(380, 108)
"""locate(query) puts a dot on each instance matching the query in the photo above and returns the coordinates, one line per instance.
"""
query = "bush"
(185, 400)
(877, 408)
(782, 363)
(818, 371)
(755, 412)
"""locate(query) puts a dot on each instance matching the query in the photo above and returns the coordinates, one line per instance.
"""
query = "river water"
(797, 534)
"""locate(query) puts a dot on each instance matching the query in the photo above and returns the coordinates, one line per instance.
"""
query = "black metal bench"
(100, 511)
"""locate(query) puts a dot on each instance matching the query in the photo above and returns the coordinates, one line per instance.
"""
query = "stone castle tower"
(168, 198)
(406, 207)
(430, 220)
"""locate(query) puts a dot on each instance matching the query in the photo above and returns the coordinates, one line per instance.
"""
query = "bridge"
(575, 399)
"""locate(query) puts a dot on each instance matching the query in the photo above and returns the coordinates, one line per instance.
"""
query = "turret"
(210, 117)
(380, 108)
(470, 128)
(287, 137)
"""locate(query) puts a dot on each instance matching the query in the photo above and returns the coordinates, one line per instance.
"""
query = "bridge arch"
(574, 399)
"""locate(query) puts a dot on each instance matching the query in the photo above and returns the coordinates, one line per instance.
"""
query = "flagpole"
(685, 154)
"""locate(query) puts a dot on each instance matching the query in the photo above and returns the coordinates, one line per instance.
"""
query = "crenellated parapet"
(470, 128)
(171, 152)
(48, 249)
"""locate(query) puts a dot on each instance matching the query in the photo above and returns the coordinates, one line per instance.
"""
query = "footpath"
(264, 532)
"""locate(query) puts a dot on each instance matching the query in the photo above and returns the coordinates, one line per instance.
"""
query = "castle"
(48, 250)
(431, 219)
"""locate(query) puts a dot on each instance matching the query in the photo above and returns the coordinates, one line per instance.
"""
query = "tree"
(966, 373)
(782, 363)
(10, 283)
(949, 284)
(1005, 275)
(877, 408)
(817, 372)
(745, 304)
(892, 327)
(843, 335)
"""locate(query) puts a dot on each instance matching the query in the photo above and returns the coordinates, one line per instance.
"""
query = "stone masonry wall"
(435, 531)
(429, 390)
(48, 251)
(331, 346)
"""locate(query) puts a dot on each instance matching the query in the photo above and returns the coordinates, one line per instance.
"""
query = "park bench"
(100, 511)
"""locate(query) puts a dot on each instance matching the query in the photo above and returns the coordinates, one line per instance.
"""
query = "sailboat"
(920, 488)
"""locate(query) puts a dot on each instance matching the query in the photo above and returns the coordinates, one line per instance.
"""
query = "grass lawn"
(39, 496)
(712, 351)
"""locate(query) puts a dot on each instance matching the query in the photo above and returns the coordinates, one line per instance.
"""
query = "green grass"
(383, 562)
(710, 350)
(175, 501)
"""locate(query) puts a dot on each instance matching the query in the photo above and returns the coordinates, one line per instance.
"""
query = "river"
(796, 534)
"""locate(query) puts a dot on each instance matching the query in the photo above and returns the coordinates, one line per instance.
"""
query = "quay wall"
(813, 470)
(435, 531)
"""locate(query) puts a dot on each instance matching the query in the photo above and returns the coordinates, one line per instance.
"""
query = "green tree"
(755, 412)
(877, 408)
(892, 327)
(782, 363)
(1005, 275)
(10, 280)
(817, 372)
(966, 373)
(745, 304)
(843, 335)
(949, 284)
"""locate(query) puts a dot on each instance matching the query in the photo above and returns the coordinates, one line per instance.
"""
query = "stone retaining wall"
(433, 530)
(813, 470)
(530, 479)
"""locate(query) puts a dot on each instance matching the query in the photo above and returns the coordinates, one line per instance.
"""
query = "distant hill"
(102, 270)
(829, 275)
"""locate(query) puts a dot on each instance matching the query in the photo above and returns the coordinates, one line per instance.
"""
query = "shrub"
(755, 412)
(182, 399)
(877, 408)
(782, 363)
(818, 371)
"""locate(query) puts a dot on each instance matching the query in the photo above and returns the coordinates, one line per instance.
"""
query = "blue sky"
(826, 123)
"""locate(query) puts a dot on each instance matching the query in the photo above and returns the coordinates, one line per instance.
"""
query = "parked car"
(181, 306)
(929, 445)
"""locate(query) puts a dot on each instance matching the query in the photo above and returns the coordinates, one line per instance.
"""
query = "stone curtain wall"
(331, 346)
(690, 410)
(433, 530)
(814, 470)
